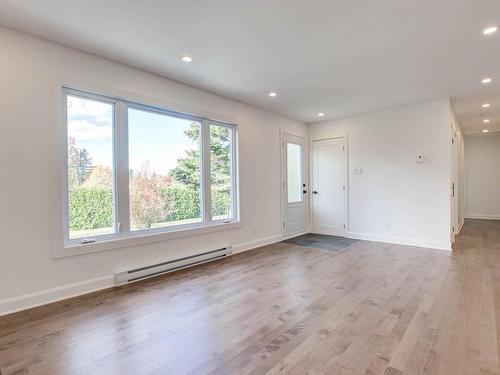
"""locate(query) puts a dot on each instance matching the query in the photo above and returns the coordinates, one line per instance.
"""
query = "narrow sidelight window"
(90, 170)
(221, 171)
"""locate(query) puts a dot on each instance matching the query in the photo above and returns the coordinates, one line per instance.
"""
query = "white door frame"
(454, 185)
(283, 135)
(346, 179)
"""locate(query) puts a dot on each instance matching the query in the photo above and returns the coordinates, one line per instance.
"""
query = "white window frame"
(234, 171)
(123, 236)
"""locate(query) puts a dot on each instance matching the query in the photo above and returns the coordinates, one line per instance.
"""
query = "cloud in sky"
(89, 120)
(85, 130)
(88, 108)
(157, 139)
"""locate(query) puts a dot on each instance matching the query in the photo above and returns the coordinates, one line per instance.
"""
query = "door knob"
(315, 192)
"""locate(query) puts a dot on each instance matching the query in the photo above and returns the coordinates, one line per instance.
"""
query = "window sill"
(140, 239)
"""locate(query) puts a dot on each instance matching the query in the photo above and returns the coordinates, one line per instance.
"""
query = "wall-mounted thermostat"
(358, 170)
(420, 158)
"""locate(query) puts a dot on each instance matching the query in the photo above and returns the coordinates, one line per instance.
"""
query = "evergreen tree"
(79, 164)
(187, 171)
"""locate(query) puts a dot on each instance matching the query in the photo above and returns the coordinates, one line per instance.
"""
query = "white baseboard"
(401, 241)
(484, 217)
(43, 297)
(245, 246)
(293, 235)
(46, 296)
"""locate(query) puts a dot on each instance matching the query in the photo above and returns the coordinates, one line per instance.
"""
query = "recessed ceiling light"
(486, 105)
(272, 94)
(321, 114)
(486, 120)
(187, 59)
(485, 130)
(486, 81)
(490, 30)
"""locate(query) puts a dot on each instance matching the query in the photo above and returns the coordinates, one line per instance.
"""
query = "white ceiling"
(470, 114)
(332, 56)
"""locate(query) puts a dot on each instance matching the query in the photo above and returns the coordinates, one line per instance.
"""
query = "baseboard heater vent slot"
(130, 276)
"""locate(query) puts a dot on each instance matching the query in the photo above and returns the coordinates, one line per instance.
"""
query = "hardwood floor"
(372, 309)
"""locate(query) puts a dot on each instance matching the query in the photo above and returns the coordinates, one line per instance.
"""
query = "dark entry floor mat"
(322, 241)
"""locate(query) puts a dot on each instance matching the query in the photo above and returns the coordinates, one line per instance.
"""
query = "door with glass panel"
(294, 185)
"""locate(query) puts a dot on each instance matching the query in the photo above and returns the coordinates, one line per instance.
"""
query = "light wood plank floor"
(372, 309)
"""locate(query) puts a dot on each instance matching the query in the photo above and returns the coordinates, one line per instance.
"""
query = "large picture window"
(136, 169)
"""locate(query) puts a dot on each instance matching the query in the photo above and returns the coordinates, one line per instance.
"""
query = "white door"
(294, 185)
(329, 186)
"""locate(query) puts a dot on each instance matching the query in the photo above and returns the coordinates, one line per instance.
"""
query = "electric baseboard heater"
(125, 277)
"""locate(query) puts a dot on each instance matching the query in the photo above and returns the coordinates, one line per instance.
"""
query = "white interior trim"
(480, 216)
(46, 296)
(134, 240)
(296, 234)
(250, 245)
(400, 241)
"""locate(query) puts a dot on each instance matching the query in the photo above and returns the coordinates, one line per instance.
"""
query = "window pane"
(221, 161)
(294, 172)
(165, 165)
(90, 167)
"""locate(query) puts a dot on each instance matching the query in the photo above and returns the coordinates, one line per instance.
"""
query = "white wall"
(32, 71)
(482, 177)
(395, 199)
